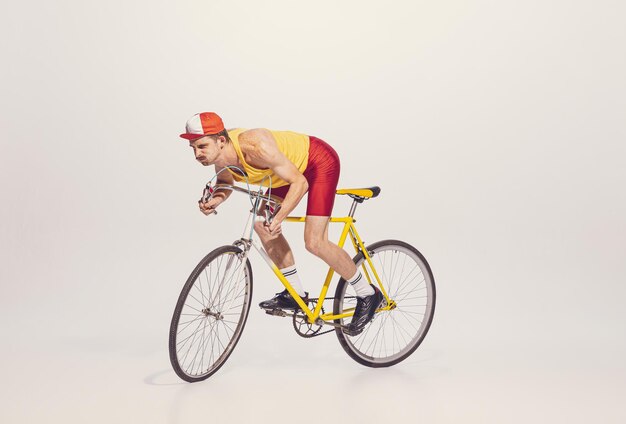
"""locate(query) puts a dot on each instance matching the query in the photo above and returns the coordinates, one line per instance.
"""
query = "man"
(297, 164)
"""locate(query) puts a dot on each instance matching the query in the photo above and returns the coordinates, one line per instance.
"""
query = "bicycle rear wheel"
(394, 334)
(210, 314)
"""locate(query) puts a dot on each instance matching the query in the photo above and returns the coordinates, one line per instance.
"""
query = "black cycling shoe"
(283, 300)
(364, 312)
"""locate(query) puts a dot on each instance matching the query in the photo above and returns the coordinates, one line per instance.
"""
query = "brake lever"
(207, 194)
(270, 213)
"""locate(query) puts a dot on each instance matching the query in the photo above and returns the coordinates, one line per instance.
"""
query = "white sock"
(291, 274)
(360, 285)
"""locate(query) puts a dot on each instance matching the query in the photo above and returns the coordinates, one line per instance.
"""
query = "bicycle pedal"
(276, 312)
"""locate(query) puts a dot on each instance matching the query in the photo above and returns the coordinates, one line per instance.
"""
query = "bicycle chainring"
(302, 325)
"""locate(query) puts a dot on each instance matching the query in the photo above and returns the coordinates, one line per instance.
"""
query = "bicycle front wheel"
(393, 334)
(210, 314)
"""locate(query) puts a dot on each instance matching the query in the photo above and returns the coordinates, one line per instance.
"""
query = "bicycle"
(212, 309)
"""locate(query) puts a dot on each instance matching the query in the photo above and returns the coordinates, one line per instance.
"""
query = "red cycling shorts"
(322, 174)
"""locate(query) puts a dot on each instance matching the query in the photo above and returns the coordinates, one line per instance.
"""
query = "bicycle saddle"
(365, 193)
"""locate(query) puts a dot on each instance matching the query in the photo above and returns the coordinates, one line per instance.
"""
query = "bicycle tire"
(353, 345)
(210, 311)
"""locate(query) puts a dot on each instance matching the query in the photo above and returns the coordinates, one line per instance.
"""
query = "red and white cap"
(201, 124)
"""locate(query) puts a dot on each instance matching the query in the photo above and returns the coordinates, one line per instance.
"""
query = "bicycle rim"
(210, 314)
(394, 334)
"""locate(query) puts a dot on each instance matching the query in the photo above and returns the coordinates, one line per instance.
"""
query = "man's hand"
(209, 207)
(274, 229)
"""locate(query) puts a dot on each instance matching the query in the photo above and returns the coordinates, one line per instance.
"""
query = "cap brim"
(190, 136)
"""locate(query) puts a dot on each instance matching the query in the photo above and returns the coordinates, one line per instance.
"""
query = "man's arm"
(224, 178)
(267, 155)
(220, 196)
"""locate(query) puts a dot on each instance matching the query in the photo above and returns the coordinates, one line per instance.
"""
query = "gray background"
(495, 129)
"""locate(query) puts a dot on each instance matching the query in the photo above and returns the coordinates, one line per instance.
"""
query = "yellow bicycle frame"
(348, 228)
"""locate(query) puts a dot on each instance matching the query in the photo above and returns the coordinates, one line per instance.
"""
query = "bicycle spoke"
(187, 338)
(214, 278)
(409, 321)
(241, 293)
(232, 289)
(410, 291)
(403, 284)
(393, 272)
(374, 339)
(403, 265)
(198, 287)
(216, 291)
(194, 320)
(410, 298)
(208, 281)
(212, 341)
(201, 343)
(384, 338)
(190, 344)
(203, 348)
(393, 335)
(191, 307)
(384, 275)
(193, 297)
(401, 329)
(218, 337)
(228, 326)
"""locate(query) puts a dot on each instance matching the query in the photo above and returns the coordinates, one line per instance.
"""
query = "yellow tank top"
(294, 146)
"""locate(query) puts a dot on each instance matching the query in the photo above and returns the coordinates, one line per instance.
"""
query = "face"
(206, 149)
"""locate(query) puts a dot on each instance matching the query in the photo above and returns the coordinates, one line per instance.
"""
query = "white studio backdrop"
(494, 128)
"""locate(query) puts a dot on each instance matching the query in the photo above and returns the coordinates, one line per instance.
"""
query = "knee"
(314, 245)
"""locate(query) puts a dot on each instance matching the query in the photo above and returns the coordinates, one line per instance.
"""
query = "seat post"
(353, 208)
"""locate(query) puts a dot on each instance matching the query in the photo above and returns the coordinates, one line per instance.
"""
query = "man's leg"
(368, 297)
(279, 251)
(316, 242)
(277, 248)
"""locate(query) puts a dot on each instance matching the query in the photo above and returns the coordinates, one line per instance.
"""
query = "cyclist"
(297, 163)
